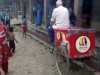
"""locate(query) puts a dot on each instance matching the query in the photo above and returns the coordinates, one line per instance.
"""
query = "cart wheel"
(61, 65)
(66, 54)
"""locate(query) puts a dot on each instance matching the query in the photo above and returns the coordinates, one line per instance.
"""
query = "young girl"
(12, 39)
(24, 29)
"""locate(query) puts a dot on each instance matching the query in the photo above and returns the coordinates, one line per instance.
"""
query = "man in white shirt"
(59, 19)
(60, 16)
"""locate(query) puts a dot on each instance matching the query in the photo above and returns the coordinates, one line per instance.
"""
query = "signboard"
(83, 44)
(79, 46)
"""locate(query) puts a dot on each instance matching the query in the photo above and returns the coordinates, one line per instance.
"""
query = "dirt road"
(31, 58)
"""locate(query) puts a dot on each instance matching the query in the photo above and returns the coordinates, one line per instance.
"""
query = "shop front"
(88, 11)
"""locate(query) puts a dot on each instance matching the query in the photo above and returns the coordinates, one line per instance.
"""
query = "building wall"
(95, 21)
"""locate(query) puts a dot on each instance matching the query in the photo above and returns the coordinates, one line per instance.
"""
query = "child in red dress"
(4, 50)
(24, 29)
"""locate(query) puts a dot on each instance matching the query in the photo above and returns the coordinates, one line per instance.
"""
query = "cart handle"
(76, 29)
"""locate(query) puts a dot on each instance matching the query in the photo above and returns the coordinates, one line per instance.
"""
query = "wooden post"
(30, 10)
(21, 6)
(45, 12)
(77, 7)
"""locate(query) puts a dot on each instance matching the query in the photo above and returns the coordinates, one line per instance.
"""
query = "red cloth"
(4, 57)
(3, 33)
(4, 49)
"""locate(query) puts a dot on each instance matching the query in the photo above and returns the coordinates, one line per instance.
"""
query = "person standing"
(73, 18)
(24, 28)
(12, 39)
(4, 49)
(38, 14)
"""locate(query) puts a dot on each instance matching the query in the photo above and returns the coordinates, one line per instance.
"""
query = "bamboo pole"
(45, 12)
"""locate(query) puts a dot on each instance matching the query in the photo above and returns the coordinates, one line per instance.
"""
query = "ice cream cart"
(75, 43)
